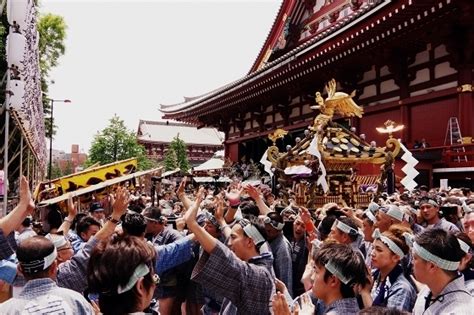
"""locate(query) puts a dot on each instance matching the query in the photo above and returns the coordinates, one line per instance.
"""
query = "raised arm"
(119, 208)
(207, 241)
(234, 202)
(255, 195)
(72, 212)
(220, 216)
(72, 274)
(187, 203)
(26, 206)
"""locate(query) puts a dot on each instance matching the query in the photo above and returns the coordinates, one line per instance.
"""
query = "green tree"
(170, 162)
(52, 32)
(52, 35)
(68, 168)
(176, 156)
(56, 171)
(116, 143)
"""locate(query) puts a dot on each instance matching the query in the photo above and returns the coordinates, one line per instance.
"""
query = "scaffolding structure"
(22, 137)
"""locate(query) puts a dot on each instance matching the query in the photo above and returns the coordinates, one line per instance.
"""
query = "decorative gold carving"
(337, 103)
(390, 127)
(277, 134)
(465, 88)
(273, 154)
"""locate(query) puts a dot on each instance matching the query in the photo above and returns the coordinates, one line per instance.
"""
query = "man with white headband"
(388, 216)
(429, 209)
(239, 273)
(437, 254)
(41, 295)
(345, 231)
(337, 271)
(281, 249)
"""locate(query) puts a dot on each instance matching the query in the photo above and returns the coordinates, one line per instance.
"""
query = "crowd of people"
(242, 250)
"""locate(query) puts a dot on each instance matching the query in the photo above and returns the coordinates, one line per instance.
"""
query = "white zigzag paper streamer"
(313, 150)
(409, 169)
(266, 163)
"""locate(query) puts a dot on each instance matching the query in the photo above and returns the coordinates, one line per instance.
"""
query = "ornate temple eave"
(254, 79)
(388, 20)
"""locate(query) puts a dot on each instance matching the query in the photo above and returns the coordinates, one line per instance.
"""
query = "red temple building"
(408, 61)
(156, 136)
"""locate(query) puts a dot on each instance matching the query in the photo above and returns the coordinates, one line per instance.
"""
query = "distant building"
(201, 143)
(70, 162)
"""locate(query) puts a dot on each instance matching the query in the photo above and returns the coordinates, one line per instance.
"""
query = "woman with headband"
(390, 288)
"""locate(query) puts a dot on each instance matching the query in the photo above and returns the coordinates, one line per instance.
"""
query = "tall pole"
(51, 142)
(5, 160)
(21, 154)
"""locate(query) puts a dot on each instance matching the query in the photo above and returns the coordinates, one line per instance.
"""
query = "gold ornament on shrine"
(277, 134)
(390, 127)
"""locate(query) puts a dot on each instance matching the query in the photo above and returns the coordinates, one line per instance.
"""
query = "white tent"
(208, 179)
(211, 164)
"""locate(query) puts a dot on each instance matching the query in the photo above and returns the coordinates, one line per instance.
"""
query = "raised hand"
(25, 195)
(348, 212)
(280, 286)
(121, 202)
(234, 195)
(279, 305)
(305, 215)
(253, 192)
(71, 206)
(307, 306)
(219, 214)
(190, 216)
(180, 190)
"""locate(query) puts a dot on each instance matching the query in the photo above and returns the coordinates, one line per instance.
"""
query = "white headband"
(275, 224)
(466, 208)
(373, 207)
(44, 263)
(140, 271)
(58, 240)
(464, 246)
(253, 233)
(440, 262)
(335, 271)
(370, 216)
(395, 212)
(390, 244)
(345, 228)
(48, 260)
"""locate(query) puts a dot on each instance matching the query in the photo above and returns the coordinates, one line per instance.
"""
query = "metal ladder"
(453, 136)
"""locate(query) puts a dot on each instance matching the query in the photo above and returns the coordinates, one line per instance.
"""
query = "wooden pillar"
(405, 134)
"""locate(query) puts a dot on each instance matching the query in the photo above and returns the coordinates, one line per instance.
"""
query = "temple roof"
(336, 32)
(164, 132)
(267, 67)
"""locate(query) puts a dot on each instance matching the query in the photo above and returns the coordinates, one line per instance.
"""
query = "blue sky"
(127, 57)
